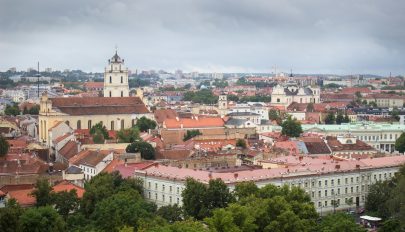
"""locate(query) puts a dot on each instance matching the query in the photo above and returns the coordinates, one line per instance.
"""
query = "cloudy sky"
(308, 36)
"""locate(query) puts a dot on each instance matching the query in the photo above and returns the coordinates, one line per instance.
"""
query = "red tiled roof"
(23, 197)
(60, 138)
(97, 85)
(193, 123)
(67, 186)
(99, 105)
(69, 150)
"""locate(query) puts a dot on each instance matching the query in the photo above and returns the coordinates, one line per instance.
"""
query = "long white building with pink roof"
(326, 180)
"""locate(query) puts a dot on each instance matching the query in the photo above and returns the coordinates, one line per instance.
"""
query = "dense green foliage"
(330, 118)
(339, 222)
(291, 127)
(138, 82)
(146, 150)
(387, 199)
(144, 124)
(203, 96)
(191, 134)
(12, 110)
(100, 129)
(400, 143)
(4, 146)
(129, 135)
(33, 110)
(6, 83)
(112, 203)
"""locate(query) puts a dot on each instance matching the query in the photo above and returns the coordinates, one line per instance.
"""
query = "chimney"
(177, 119)
(196, 117)
(300, 158)
(235, 175)
(337, 166)
(357, 166)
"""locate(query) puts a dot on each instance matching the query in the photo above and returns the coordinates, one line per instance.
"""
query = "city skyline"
(206, 36)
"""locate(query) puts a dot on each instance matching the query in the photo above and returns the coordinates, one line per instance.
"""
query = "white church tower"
(116, 78)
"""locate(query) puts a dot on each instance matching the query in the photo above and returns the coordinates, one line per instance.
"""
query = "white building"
(116, 78)
(284, 95)
(93, 162)
(326, 181)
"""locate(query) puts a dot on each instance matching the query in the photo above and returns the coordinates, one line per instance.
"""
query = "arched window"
(110, 79)
(79, 124)
(112, 125)
(110, 93)
(122, 80)
(122, 93)
(67, 123)
(89, 124)
(122, 123)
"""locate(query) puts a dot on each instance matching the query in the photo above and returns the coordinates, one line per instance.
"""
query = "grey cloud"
(313, 36)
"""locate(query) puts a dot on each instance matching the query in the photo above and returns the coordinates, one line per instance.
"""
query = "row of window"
(335, 193)
(163, 188)
(122, 79)
(376, 137)
(163, 198)
(89, 124)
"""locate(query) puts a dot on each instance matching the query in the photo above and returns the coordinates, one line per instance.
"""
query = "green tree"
(191, 134)
(42, 193)
(291, 127)
(395, 114)
(100, 128)
(357, 94)
(124, 208)
(144, 124)
(129, 135)
(339, 118)
(171, 213)
(245, 189)
(104, 185)
(42, 219)
(146, 150)
(400, 143)
(241, 143)
(25, 110)
(9, 216)
(66, 202)
(390, 225)
(193, 199)
(98, 137)
(349, 202)
(217, 195)
(233, 98)
(4, 146)
(12, 110)
(378, 195)
(339, 222)
(179, 226)
(330, 118)
(203, 96)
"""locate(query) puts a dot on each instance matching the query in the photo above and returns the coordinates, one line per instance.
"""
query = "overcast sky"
(308, 36)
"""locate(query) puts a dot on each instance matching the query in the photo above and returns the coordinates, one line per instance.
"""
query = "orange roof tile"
(67, 186)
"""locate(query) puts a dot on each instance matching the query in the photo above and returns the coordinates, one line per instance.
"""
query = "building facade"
(345, 182)
(116, 78)
(284, 95)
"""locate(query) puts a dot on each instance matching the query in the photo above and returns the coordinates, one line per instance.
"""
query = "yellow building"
(113, 110)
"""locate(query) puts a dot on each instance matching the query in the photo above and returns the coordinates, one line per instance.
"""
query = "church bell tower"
(116, 78)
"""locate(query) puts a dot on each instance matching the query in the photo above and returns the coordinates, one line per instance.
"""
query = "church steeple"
(116, 78)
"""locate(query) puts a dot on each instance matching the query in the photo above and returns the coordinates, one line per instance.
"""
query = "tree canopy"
(203, 96)
(330, 118)
(400, 143)
(128, 135)
(144, 124)
(191, 134)
(12, 110)
(291, 127)
(146, 150)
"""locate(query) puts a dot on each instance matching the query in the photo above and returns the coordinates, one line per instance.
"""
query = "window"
(351, 180)
(346, 190)
(110, 93)
(122, 80)
(313, 194)
(110, 79)
(122, 93)
(112, 125)
(332, 182)
(326, 203)
(338, 191)
(170, 188)
(338, 181)
(89, 124)
(278, 99)
(156, 186)
(319, 183)
(156, 196)
(177, 190)
(326, 193)
(351, 189)
(122, 123)
(163, 197)
(326, 183)
(79, 124)
(319, 193)
(345, 180)
(149, 184)
(319, 204)
(357, 189)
